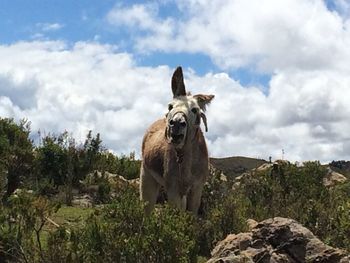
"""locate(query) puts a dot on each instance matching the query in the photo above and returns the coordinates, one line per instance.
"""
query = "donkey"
(174, 152)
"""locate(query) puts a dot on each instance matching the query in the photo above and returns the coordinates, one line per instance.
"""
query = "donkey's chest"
(181, 174)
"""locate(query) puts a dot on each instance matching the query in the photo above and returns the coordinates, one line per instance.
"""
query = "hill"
(235, 166)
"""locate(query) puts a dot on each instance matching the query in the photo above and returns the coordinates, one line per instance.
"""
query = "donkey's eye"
(170, 107)
(194, 110)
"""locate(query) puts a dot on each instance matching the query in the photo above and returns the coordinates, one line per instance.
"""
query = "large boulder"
(276, 240)
(333, 178)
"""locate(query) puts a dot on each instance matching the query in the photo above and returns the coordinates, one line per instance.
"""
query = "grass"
(70, 215)
(67, 216)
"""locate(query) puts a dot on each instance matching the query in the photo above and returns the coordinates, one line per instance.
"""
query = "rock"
(20, 191)
(213, 170)
(120, 182)
(116, 180)
(333, 178)
(276, 240)
(251, 224)
(135, 183)
(264, 167)
(94, 176)
(82, 201)
(274, 167)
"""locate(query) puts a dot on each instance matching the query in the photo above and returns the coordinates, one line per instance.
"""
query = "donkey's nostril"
(183, 124)
(171, 122)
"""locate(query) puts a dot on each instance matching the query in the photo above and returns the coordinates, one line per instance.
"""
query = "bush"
(118, 232)
(285, 190)
(21, 225)
(60, 159)
(128, 167)
(299, 193)
(60, 248)
(222, 212)
(122, 233)
(103, 191)
(16, 151)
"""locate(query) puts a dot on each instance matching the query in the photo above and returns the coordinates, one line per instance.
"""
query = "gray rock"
(82, 201)
(333, 178)
(276, 240)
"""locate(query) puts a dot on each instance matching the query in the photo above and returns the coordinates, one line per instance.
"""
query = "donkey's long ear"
(203, 100)
(177, 83)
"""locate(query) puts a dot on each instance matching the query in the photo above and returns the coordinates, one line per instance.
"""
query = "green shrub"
(299, 193)
(103, 191)
(128, 167)
(284, 190)
(222, 212)
(120, 232)
(16, 151)
(59, 247)
(21, 225)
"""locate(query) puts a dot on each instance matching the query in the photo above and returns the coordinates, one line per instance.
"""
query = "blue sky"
(279, 70)
(81, 20)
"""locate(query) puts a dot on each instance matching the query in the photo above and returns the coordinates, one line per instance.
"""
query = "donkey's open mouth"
(177, 127)
(177, 138)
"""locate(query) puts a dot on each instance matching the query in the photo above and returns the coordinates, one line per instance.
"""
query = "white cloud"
(269, 35)
(46, 27)
(94, 86)
(142, 17)
(87, 86)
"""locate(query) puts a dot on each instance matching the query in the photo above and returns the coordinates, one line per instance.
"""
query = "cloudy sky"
(280, 70)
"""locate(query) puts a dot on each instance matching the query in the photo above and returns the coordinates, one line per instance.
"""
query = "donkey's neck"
(179, 155)
(187, 150)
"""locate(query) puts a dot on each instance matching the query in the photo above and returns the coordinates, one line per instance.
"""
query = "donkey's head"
(184, 112)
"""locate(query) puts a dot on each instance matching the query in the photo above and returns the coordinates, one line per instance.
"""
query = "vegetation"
(16, 151)
(39, 182)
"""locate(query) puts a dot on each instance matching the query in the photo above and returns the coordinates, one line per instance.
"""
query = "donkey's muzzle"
(177, 127)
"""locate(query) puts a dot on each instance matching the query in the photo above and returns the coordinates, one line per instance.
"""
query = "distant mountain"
(235, 166)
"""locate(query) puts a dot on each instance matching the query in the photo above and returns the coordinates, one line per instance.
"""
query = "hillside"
(235, 166)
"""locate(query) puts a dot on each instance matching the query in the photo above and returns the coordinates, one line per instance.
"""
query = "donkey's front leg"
(194, 198)
(174, 197)
(149, 189)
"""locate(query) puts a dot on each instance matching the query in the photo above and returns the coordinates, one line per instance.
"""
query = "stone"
(82, 201)
(333, 178)
(276, 240)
